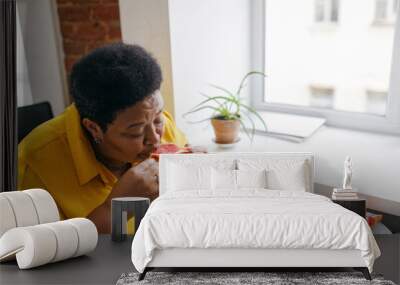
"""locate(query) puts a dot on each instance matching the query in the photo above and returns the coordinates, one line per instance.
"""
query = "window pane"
(319, 10)
(321, 96)
(381, 9)
(334, 10)
(329, 67)
(376, 102)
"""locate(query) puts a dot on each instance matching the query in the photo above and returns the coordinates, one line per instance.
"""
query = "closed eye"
(134, 136)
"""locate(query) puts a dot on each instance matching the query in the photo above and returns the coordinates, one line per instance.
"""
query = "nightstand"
(357, 205)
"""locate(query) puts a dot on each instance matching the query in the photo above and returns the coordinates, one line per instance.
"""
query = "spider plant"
(230, 106)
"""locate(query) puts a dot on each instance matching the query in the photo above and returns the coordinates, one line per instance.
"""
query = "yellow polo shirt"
(57, 156)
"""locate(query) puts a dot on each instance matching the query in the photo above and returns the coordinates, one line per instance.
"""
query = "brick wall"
(87, 24)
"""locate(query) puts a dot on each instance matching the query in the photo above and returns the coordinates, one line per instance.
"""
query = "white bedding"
(251, 218)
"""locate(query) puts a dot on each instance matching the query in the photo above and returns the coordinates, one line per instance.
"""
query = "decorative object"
(343, 194)
(373, 219)
(229, 113)
(347, 192)
(248, 278)
(123, 208)
(47, 243)
(348, 173)
(26, 208)
(31, 231)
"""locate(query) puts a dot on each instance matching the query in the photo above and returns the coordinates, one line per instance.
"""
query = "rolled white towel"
(66, 238)
(26, 208)
(40, 244)
(46, 207)
(87, 235)
(33, 246)
(23, 208)
(7, 218)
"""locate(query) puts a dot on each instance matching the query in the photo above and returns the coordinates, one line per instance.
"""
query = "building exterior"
(332, 54)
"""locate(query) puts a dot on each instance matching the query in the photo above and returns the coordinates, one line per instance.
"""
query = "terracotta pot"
(226, 131)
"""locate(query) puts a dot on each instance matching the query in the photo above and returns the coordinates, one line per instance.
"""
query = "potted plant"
(229, 113)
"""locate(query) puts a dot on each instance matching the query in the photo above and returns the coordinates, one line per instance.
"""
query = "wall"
(146, 23)
(186, 38)
(376, 158)
(86, 25)
(39, 36)
(210, 43)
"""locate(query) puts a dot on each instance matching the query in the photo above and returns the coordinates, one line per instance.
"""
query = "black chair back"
(31, 116)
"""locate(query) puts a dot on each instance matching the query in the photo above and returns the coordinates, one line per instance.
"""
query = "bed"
(247, 210)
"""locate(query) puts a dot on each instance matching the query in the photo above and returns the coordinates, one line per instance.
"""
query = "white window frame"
(390, 123)
(390, 14)
(327, 14)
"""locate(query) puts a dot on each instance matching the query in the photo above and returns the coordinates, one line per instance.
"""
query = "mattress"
(250, 219)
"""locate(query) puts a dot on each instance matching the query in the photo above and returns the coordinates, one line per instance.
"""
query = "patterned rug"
(273, 278)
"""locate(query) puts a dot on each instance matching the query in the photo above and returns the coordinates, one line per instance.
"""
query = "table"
(358, 206)
(102, 266)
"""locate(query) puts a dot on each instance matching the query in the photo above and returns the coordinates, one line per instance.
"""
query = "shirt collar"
(86, 164)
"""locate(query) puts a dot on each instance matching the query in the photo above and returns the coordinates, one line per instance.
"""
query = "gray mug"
(121, 210)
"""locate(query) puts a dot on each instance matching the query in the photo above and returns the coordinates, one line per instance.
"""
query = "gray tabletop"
(102, 266)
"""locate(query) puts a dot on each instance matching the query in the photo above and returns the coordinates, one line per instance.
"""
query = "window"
(347, 75)
(376, 101)
(321, 96)
(385, 11)
(326, 11)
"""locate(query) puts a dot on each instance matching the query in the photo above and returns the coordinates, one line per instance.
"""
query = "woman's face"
(135, 132)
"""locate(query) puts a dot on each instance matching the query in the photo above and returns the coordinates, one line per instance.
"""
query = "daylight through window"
(345, 66)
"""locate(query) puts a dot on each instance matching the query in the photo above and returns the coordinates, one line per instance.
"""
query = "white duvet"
(250, 219)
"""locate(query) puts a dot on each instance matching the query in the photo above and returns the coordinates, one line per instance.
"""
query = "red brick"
(90, 31)
(86, 25)
(67, 30)
(69, 62)
(109, 1)
(106, 12)
(74, 47)
(93, 45)
(74, 13)
(114, 33)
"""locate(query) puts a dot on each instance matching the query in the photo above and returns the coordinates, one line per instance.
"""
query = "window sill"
(289, 126)
(382, 24)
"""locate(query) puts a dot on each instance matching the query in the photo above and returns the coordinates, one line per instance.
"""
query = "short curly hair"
(111, 78)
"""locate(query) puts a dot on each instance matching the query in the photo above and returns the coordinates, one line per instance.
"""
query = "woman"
(99, 148)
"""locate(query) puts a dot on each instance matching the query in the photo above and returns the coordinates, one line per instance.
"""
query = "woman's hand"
(140, 180)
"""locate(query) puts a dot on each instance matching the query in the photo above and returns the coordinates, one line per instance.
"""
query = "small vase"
(226, 131)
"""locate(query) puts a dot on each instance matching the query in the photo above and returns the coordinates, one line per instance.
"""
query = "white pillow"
(282, 174)
(251, 178)
(183, 177)
(293, 179)
(223, 179)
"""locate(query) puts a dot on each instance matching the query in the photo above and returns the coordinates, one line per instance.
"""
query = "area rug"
(273, 278)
